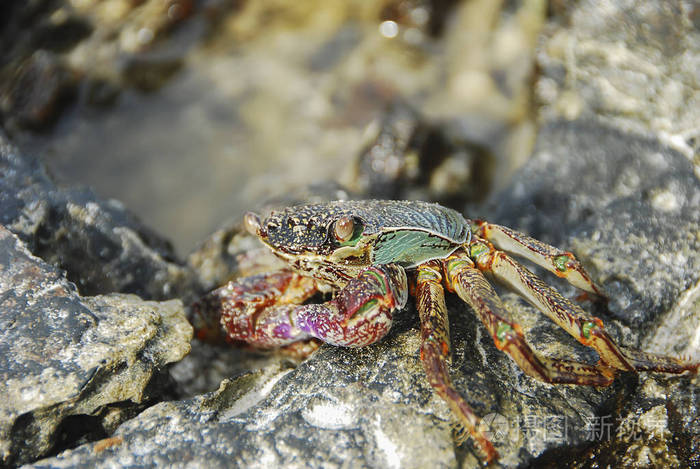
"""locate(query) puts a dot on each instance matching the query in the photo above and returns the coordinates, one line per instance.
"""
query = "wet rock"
(74, 367)
(631, 64)
(407, 157)
(282, 417)
(102, 247)
(37, 90)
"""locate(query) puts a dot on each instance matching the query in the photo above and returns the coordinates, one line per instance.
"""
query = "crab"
(370, 254)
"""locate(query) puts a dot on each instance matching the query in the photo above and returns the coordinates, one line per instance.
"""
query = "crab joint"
(502, 332)
(476, 250)
(429, 275)
(588, 328)
(561, 263)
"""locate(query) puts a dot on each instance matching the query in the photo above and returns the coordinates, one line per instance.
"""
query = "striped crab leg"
(472, 287)
(587, 329)
(435, 353)
(561, 263)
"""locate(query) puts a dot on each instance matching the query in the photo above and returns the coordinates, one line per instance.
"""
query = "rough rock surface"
(632, 64)
(102, 247)
(74, 366)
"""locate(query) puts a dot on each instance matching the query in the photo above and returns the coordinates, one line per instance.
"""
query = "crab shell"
(407, 233)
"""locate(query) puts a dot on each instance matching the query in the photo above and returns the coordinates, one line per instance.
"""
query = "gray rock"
(101, 246)
(279, 417)
(71, 366)
(632, 64)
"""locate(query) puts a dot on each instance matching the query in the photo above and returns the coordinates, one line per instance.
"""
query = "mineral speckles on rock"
(65, 356)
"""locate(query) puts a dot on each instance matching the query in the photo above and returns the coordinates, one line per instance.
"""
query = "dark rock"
(409, 158)
(102, 247)
(74, 367)
(37, 91)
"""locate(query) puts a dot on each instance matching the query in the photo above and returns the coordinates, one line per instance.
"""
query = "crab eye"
(344, 228)
(252, 223)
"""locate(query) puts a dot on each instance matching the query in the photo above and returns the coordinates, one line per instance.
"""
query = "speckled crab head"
(318, 240)
(305, 231)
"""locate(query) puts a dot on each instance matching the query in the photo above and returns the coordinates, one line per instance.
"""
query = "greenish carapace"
(409, 248)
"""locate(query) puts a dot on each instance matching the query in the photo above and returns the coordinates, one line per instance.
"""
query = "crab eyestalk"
(251, 221)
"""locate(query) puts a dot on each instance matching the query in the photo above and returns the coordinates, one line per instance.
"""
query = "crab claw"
(252, 223)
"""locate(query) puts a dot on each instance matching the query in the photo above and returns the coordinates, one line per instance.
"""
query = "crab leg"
(587, 329)
(561, 263)
(471, 286)
(435, 352)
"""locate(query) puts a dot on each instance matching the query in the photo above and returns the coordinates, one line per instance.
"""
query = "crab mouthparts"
(252, 223)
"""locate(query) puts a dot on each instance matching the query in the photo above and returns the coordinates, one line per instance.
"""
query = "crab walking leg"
(586, 329)
(361, 312)
(472, 287)
(561, 263)
(435, 352)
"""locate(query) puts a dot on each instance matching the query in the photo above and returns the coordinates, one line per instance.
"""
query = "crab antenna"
(252, 223)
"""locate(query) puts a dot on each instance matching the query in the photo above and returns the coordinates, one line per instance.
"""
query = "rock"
(630, 64)
(409, 158)
(280, 417)
(38, 91)
(74, 367)
(101, 246)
